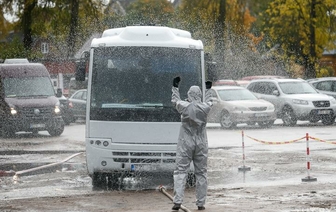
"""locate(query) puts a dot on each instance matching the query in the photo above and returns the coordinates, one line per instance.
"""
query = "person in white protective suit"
(192, 143)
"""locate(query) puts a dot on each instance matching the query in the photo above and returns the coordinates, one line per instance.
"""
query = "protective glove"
(208, 84)
(176, 81)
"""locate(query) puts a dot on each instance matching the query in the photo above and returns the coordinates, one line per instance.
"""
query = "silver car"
(326, 85)
(235, 104)
(295, 99)
(77, 104)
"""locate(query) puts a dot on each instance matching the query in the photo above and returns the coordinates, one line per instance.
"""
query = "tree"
(224, 26)
(159, 12)
(303, 28)
(64, 22)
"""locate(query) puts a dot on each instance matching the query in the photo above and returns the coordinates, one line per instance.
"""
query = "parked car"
(295, 99)
(231, 82)
(77, 104)
(75, 85)
(235, 104)
(65, 110)
(243, 83)
(263, 77)
(224, 82)
(326, 85)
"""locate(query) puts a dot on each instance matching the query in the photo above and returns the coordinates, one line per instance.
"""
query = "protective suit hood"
(194, 94)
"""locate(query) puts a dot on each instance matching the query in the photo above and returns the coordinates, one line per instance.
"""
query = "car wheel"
(314, 120)
(67, 121)
(56, 131)
(266, 124)
(288, 117)
(328, 120)
(226, 121)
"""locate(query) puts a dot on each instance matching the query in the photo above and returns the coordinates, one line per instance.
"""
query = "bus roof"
(156, 36)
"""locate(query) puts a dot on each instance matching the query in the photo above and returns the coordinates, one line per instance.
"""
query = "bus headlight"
(100, 142)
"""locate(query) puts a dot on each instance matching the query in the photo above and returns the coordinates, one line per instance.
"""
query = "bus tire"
(99, 181)
(114, 181)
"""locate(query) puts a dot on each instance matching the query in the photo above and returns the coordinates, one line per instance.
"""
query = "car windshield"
(235, 95)
(296, 88)
(28, 86)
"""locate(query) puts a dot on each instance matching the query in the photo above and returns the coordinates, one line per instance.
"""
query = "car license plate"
(323, 112)
(261, 114)
(37, 125)
(143, 167)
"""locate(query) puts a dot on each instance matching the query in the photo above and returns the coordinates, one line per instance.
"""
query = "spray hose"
(163, 190)
(16, 174)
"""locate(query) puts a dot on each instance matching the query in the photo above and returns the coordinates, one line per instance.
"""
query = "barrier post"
(308, 178)
(243, 168)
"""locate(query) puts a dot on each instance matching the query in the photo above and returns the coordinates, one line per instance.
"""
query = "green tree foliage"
(13, 49)
(159, 12)
(303, 28)
(65, 23)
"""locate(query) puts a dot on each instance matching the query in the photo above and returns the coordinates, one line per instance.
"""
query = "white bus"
(131, 124)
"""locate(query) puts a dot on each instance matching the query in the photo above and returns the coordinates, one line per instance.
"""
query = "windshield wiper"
(149, 105)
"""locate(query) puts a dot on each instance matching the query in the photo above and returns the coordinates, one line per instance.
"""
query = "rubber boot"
(176, 207)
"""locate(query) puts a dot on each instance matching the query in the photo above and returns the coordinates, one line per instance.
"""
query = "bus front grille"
(144, 157)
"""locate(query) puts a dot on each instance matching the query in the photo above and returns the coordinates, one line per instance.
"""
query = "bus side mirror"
(212, 71)
(82, 66)
(210, 67)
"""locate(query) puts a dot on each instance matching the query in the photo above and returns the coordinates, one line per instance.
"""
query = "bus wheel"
(114, 181)
(99, 181)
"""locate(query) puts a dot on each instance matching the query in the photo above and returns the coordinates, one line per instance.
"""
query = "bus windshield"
(141, 77)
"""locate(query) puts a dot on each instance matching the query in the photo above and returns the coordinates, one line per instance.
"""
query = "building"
(329, 59)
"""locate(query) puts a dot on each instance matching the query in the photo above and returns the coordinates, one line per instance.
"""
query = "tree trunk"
(26, 24)
(310, 69)
(219, 35)
(73, 28)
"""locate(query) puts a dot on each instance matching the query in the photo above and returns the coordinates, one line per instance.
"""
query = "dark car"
(28, 101)
(77, 104)
(65, 110)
